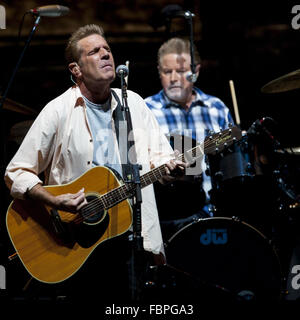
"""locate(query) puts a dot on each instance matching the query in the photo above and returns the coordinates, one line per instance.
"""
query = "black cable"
(20, 27)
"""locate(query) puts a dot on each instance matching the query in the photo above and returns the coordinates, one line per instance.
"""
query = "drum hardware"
(166, 280)
(151, 281)
(287, 151)
(212, 209)
(14, 106)
(236, 219)
(295, 150)
(19, 130)
(294, 205)
(262, 129)
(285, 187)
(201, 282)
(219, 177)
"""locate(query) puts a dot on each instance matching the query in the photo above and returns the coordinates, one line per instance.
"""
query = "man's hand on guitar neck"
(70, 202)
(175, 169)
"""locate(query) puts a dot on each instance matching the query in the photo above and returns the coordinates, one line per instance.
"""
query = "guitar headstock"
(217, 142)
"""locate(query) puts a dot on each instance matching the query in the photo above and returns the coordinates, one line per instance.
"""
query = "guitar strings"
(114, 196)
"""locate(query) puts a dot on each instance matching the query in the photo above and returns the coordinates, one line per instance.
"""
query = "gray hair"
(72, 52)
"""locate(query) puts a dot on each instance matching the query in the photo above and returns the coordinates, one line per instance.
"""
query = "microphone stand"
(133, 178)
(191, 76)
(3, 98)
(189, 16)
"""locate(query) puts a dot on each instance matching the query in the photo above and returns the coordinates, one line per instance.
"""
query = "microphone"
(50, 11)
(175, 11)
(180, 13)
(191, 77)
(264, 122)
(164, 16)
(261, 126)
(122, 71)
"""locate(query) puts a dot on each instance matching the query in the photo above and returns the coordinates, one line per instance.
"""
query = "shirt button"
(91, 140)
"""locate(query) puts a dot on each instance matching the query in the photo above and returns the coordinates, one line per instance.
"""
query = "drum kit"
(18, 131)
(249, 249)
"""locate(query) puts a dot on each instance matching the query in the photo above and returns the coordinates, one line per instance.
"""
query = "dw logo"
(2, 278)
(214, 236)
(2, 18)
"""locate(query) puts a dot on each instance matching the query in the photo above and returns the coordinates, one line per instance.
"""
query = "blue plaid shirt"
(206, 113)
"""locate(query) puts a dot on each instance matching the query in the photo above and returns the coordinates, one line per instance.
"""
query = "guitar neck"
(212, 144)
(157, 173)
(126, 190)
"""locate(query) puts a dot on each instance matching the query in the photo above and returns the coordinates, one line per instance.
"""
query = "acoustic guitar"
(54, 245)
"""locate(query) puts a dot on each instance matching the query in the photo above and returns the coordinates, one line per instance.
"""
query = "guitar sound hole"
(92, 213)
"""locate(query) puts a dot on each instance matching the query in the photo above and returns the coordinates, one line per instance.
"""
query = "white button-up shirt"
(60, 144)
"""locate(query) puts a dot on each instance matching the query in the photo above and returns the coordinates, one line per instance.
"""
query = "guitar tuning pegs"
(230, 125)
(210, 134)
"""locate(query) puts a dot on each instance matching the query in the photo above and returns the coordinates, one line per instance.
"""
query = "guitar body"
(51, 256)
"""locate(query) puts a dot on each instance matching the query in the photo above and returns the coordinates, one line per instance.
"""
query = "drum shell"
(185, 196)
(225, 256)
(237, 161)
(243, 187)
(179, 199)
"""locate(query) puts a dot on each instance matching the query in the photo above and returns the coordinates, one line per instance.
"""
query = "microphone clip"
(191, 77)
(260, 128)
(188, 14)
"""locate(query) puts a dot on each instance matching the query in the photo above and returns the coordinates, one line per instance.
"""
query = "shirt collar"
(80, 101)
(169, 103)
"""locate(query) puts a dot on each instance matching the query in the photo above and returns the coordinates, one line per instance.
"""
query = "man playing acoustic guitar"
(73, 134)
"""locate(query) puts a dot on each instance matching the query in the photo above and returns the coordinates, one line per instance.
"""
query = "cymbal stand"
(3, 98)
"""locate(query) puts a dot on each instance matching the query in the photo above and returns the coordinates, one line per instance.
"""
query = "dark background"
(249, 42)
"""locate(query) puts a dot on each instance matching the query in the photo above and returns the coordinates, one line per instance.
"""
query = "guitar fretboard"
(212, 144)
(126, 190)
